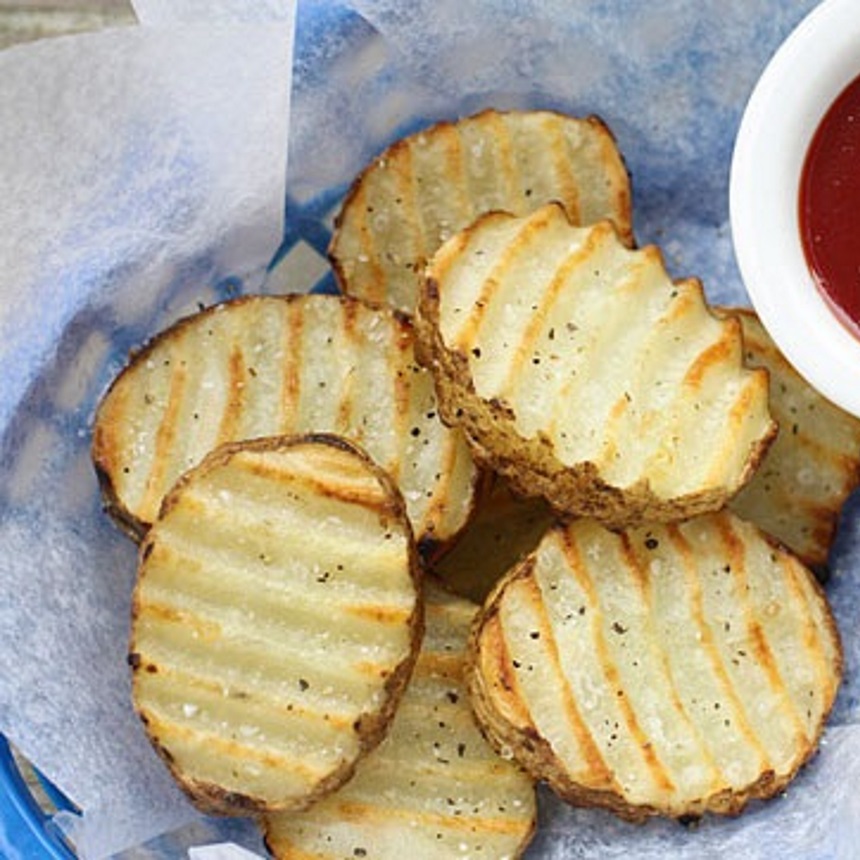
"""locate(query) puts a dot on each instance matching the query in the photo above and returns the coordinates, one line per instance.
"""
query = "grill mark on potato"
(189, 684)
(549, 297)
(375, 281)
(743, 404)
(309, 602)
(593, 364)
(503, 674)
(356, 811)
(603, 777)
(345, 418)
(620, 187)
(730, 696)
(367, 496)
(672, 417)
(765, 658)
(719, 351)
(495, 281)
(811, 634)
(228, 747)
(193, 643)
(561, 160)
(500, 133)
(444, 145)
(165, 442)
(410, 218)
(639, 574)
(290, 390)
(234, 405)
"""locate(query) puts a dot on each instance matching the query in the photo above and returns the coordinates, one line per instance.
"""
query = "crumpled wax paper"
(138, 169)
(671, 79)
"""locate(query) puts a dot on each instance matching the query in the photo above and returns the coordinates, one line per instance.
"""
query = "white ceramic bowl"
(817, 61)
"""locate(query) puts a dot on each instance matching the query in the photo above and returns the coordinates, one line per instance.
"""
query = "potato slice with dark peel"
(505, 527)
(427, 186)
(433, 787)
(667, 670)
(276, 620)
(812, 467)
(582, 372)
(270, 365)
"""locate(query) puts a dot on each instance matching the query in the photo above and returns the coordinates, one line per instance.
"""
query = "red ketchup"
(830, 207)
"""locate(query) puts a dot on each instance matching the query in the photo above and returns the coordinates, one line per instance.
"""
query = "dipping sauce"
(829, 206)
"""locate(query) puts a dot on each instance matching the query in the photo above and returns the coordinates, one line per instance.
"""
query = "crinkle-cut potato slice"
(668, 670)
(271, 365)
(582, 372)
(505, 527)
(813, 465)
(433, 788)
(427, 186)
(276, 619)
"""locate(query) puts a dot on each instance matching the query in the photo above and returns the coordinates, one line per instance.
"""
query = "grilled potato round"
(813, 465)
(667, 670)
(434, 786)
(270, 365)
(276, 619)
(426, 187)
(583, 373)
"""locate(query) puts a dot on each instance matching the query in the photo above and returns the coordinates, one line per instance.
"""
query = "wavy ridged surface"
(665, 670)
(263, 366)
(434, 787)
(813, 465)
(427, 186)
(276, 618)
(583, 372)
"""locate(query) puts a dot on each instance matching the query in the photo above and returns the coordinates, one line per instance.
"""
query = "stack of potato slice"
(561, 435)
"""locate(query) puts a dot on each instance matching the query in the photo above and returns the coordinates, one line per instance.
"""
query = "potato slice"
(426, 187)
(433, 787)
(270, 365)
(812, 467)
(276, 619)
(583, 373)
(667, 670)
(505, 527)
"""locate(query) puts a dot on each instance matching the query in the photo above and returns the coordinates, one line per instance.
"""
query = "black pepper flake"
(359, 852)
(461, 749)
(651, 543)
(303, 684)
(535, 634)
(619, 628)
(452, 697)
(476, 351)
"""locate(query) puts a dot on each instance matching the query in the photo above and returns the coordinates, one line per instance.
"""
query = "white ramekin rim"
(814, 64)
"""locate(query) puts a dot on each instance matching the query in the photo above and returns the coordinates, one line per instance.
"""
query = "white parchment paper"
(136, 169)
(107, 250)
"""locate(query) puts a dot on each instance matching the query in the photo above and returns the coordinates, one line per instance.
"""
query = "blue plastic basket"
(27, 831)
